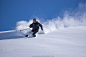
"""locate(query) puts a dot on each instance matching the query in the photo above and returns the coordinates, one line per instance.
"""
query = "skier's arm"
(31, 25)
(41, 26)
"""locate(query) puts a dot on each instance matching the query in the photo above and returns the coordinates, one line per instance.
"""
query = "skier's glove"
(41, 28)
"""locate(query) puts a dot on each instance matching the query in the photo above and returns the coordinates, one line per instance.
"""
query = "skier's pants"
(34, 31)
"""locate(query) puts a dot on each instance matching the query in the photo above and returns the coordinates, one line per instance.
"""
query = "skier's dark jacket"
(35, 26)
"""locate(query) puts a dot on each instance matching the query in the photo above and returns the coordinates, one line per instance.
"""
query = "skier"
(35, 27)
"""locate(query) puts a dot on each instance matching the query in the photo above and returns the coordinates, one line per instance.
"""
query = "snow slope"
(66, 42)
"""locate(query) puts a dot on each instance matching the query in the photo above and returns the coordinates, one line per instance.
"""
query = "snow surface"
(66, 42)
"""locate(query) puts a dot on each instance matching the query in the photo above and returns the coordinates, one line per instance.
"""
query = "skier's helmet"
(34, 20)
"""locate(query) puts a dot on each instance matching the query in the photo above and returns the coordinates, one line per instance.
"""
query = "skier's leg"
(29, 33)
(35, 31)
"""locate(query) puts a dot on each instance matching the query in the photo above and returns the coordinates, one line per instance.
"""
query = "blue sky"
(12, 11)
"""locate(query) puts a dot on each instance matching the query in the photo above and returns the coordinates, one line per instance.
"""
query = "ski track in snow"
(66, 42)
